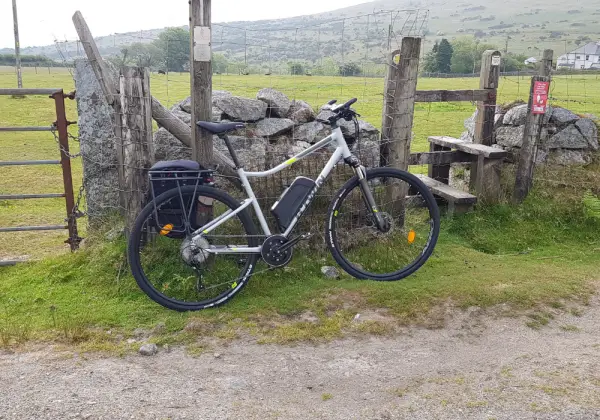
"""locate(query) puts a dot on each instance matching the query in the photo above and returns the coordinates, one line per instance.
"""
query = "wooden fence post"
(201, 78)
(533, 131)
(391, 82)
(136, 131)
(486, 110)
(403, 106)
(485, 174)
(402, 116)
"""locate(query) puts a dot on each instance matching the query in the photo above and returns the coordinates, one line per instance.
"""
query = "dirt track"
(477, 367)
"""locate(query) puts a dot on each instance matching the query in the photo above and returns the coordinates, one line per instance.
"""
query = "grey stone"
(562, 116)
(300, 112)
(589, 130)
(367, 131)
(330, 272)
(510, 136)
(167, 147)
(310, 132)
(516, 116)
(182, 115)
(279, 104)
(241, 109)
(250, 151)
(569, 138)
(569, 157)
(270, 127)
(97, 143)
(148, 350)
(217, 115)
(469, 135)
(368, 152)
(186, 104)
(160, 328)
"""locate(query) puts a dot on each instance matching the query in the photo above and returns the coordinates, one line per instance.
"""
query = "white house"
(583, 58)
(531, 60)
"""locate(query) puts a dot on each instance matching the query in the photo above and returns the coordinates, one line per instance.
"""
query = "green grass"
(543, 252)
(489, 257)
(579, 93)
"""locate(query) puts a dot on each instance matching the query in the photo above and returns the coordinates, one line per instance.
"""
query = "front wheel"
(386, 251)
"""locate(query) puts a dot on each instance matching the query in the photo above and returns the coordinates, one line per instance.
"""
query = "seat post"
(236, 162)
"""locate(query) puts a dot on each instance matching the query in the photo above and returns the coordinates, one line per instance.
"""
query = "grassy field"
(580, 93)
(539, 254)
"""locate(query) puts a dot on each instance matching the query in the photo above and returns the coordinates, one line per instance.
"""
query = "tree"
(219, 63)
(466, 56)
(350, 69)
(122, 59)
(296, 69)
(174, 44)
(444, 56)
(431, 63)
(145, 55)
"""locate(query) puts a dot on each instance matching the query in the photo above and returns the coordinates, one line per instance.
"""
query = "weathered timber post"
(538, 99)
(403, 106)
(486, 110)
(391, 82)
(136, 131)
(201, 78)
(485, 174)
(402, 114)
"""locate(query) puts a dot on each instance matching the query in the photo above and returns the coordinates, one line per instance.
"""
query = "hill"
(366, 31)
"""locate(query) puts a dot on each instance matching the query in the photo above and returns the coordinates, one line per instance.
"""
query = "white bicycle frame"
(336, 138)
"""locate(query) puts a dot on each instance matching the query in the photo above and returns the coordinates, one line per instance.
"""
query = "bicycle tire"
(136, 235)
(332, 236)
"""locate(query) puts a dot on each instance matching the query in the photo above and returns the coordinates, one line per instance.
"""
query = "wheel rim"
(371, 252)
(180, 269)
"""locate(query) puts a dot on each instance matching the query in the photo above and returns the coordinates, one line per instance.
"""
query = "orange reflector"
(412, 235)
(166, 229)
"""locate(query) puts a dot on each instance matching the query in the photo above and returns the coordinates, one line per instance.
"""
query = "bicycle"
(195, 246)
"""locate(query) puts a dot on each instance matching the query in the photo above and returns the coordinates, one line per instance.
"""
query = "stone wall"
(276, 129)
(567, 138)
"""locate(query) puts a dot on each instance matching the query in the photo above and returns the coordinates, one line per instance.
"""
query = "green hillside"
(364, 33)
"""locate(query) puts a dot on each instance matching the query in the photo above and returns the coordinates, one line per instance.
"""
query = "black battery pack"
(286, 208)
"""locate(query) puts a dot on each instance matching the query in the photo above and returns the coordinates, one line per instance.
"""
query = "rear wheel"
(175, 270)
(412, 224)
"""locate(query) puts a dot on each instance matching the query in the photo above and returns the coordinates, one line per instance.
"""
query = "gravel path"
(478, 367)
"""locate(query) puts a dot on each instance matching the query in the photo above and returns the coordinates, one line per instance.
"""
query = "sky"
(41, 22)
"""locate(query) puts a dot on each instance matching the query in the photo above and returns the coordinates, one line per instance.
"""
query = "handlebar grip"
(332, 102)
(350, 103)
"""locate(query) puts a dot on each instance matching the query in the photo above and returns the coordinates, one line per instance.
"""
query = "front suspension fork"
(367, 195)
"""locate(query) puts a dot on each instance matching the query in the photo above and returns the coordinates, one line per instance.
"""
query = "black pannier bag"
(166, 175)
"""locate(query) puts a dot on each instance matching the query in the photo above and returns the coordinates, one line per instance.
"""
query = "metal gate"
(59, 129)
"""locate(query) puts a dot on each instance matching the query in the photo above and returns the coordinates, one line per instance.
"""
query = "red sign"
(540, 97)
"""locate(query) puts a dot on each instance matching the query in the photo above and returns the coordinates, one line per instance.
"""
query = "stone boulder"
(589, 130)
(510, 136)
(300, 112)
(516, 116)
(271, 127)
(310, 132)
(569, 157)
(568, 138)
(562, 116)
(251, 152)
(186, 104)
(279, 104)
(97, 142)
(167, 147)
(237, 108)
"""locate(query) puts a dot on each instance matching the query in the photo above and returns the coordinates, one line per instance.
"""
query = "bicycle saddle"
(220, 128)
